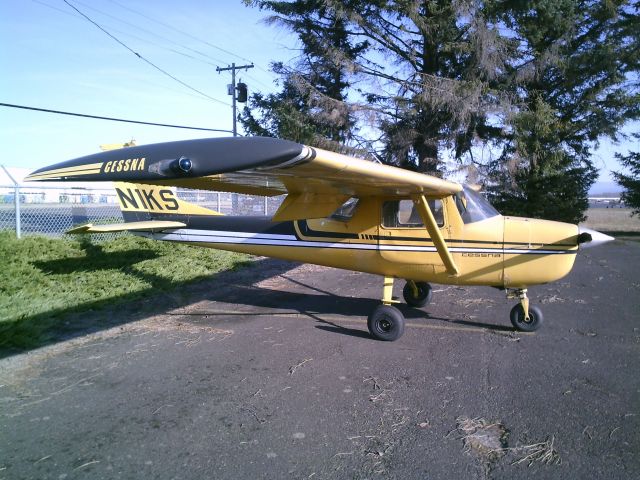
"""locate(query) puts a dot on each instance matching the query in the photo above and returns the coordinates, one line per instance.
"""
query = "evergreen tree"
(312, 106)
(630, 182)
(574, 82)
(421, 70)
(537, 84)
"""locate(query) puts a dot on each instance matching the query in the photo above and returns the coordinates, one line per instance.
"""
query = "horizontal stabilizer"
(146, 226)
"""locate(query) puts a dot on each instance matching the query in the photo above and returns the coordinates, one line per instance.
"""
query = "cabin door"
(403, 238)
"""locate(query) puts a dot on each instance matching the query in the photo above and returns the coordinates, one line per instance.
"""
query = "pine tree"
(574, 85)
(630, 182)
(536, 84)
(419, 84)
(311, 107)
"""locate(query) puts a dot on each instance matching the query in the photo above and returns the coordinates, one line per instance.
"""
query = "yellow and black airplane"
(339, 211)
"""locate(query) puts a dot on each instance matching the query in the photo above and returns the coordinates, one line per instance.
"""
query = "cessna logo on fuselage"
(151, 199)
(125, 165)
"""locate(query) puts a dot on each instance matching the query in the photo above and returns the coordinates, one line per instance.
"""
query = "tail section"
(139, 202)
(148, 208)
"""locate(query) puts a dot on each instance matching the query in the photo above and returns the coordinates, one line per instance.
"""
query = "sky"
(51, 57)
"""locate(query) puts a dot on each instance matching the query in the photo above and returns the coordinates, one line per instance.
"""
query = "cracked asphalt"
(269, 372)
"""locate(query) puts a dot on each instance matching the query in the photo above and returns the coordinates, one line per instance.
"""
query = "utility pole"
(232, 90)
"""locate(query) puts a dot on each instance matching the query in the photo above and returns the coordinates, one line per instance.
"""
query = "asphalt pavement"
(269, 372)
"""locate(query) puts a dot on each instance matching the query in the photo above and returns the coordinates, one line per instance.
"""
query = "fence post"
(16, 191)
(218, 202)
(17, 203)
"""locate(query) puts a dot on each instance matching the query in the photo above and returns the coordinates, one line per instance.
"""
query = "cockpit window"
(346, 210)
(473, 207)
(403, 214)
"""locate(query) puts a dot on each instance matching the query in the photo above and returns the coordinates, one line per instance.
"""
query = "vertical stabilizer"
(139, 202)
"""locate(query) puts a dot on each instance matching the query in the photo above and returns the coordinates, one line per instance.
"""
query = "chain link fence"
(51, 211)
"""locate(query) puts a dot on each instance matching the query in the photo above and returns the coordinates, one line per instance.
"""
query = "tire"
(386, 323)
(425, 292)
(535, 318)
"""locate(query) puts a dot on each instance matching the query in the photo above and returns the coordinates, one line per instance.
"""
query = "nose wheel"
(524, 317)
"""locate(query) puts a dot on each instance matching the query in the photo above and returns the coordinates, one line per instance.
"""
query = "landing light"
(184, 164)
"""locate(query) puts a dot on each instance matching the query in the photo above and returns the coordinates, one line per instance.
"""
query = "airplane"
(339, 211)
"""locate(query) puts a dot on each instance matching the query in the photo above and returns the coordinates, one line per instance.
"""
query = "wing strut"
(434, 232)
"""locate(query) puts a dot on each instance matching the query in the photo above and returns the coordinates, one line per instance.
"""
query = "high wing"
(317, 181)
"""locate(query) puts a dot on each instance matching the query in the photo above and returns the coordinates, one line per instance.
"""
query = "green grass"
(612, 220)
(42, 280)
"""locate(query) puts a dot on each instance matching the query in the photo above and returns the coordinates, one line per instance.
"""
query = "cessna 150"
(339, 211)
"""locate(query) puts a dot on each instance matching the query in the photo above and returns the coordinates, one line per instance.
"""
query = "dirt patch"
(482, 438)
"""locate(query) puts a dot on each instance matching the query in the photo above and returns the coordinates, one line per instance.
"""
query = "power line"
(149, 32)
(113, 119)
(140, 39)
(144, 59)
(54, 8)
(141, 29)
(193, 37)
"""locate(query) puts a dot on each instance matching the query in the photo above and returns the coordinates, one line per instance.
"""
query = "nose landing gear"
(524, 317)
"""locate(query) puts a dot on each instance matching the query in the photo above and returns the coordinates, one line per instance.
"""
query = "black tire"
(535, 318)
(425, 292)
(386, 323)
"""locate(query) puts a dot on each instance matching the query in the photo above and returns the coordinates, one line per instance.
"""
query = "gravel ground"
(269, 372)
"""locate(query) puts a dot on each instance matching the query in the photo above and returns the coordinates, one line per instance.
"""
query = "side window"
(403, 214)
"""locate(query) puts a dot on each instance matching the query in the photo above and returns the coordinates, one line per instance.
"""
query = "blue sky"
(53, 58)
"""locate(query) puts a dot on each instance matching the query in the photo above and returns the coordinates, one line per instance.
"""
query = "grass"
(612, 220)
(42, 279)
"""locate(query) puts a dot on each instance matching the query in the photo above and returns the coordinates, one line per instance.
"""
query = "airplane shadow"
(324, 303)
(60, 324)
(230, 287)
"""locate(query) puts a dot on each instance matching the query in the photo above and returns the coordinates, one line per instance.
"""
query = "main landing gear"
(386, 322)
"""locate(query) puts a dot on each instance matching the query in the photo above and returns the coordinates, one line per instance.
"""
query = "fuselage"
(378, 237)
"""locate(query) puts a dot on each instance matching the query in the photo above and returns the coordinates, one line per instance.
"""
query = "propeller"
(591, 238)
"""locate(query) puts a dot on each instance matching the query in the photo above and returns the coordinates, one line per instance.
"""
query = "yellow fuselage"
(499, 251)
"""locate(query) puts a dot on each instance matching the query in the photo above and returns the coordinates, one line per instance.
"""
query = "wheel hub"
(384, 324)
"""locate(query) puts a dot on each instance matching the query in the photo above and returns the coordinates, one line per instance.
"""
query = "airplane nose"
(590, 238)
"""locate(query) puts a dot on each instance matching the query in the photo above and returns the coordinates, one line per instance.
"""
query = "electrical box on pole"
(242, 92)
(241, 88)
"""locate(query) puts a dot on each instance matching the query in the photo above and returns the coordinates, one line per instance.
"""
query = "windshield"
(473, 207)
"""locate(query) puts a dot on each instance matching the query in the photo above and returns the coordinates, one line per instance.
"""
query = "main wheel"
(425, 293)
(386, 323)
(520, 323)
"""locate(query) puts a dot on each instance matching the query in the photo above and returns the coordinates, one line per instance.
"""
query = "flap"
(299, 206)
